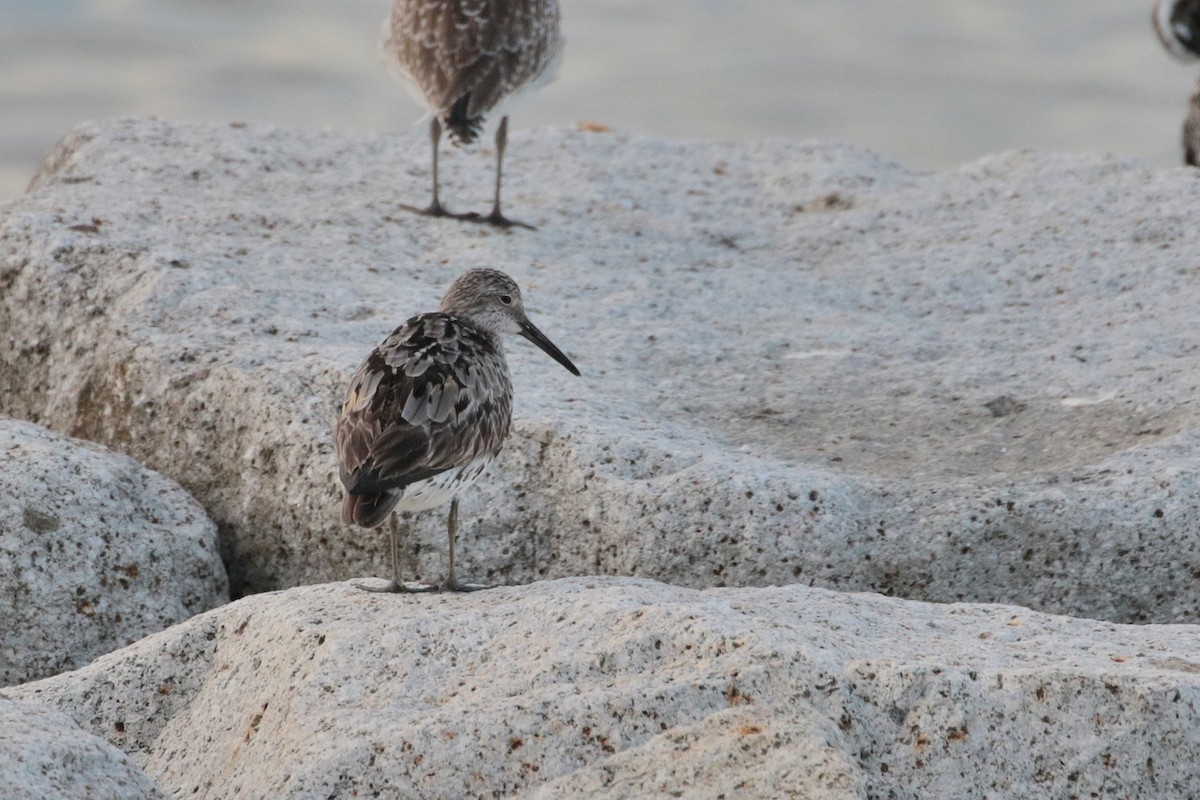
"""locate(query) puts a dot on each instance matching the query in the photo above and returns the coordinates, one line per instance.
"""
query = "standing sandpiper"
(1177, 23)
(462, 58)
(430, 407)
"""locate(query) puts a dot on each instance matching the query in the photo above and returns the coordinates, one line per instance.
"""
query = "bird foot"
(495, 219)
(500, 221)
(452, 585)
(395, 587)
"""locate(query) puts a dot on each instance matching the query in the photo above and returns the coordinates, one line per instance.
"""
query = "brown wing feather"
(433, 396)
(482, 48)
(1185, 24)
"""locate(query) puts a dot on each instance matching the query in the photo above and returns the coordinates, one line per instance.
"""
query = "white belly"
(441, 488)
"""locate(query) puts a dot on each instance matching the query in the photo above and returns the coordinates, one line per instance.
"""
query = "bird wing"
(433, 396)
(484, 48)
(1185, 24)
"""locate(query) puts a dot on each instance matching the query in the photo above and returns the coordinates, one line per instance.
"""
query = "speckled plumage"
(1177, 23)
(433, 398)
(432, 404)
(464, 58)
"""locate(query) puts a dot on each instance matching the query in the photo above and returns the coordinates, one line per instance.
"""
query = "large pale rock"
(95, 552)
(632, 689)
(802, 363)
(44, 755)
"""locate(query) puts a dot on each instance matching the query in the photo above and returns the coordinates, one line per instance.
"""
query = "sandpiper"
(1177, 23)
(463, 58)
(430, 407)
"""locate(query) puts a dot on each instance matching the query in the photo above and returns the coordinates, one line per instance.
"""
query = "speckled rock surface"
(44, 755)
(633, 689)
(95, 552)
(802, 363)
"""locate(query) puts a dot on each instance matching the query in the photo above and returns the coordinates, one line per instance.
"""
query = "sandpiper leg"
(435, 208)
(435, 136)
(497, 218)
(451, 584)
(395, 584)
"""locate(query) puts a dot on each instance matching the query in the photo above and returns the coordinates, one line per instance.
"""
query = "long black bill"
(530, 332)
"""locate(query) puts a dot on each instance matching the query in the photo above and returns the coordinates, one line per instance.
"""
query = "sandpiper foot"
(453, 585)
(495, 219)
(396, 587)
(500, 221)
(438, 210)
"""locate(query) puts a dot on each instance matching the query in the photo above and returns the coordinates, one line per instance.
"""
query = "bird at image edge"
(466, 58)
(1177, 23)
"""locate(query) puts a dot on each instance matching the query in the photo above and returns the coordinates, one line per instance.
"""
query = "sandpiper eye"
(506, 299)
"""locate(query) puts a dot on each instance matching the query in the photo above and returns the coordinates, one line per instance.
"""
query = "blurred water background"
(930, 83)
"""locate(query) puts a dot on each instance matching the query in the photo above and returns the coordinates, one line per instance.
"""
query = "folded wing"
(433, 396)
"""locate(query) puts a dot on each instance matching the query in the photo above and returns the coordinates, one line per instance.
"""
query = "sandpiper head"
(491, 301)
(1177, 23)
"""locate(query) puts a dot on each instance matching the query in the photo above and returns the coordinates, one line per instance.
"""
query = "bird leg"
(435, 137)
(451, 584)
(436, 209)
(496, 218)
(395, 584)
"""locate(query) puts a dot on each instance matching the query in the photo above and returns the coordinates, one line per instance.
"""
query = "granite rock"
(802, 363)
(95, 552)
(44, 755)
(622, 688)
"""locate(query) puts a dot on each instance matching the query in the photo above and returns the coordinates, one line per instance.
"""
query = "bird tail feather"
(368, 510)
(462, 128)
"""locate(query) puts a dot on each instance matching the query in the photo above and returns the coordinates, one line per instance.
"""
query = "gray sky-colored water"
(928, 82)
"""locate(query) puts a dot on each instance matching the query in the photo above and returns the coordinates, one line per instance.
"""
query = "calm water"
(928, 82)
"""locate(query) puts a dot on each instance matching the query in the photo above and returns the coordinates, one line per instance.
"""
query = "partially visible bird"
(1177, 23)
(430, 407)
(463, 58)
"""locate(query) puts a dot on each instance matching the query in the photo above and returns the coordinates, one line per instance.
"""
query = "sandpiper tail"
(463, 129)
(368, 510)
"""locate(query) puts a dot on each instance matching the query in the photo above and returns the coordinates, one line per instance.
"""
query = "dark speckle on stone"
(1004, 406)
(40, 521)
